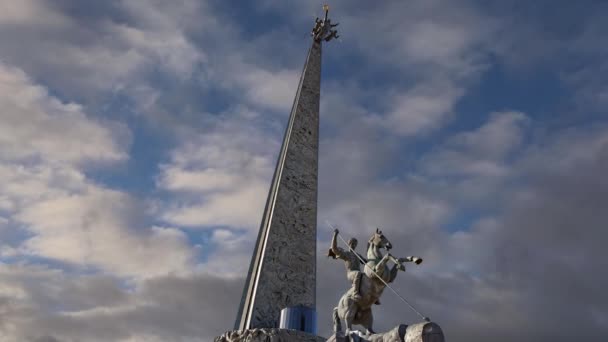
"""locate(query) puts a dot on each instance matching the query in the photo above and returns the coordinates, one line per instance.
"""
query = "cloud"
(37, 303)
(30, 12)
(83, 261)
(472, 167)
(68, 217)
(34, 126)
(482, 152)
(88, 54)
(231, 255)
(511, 275)
(431, 53)
(422, 109)
(95, 229)
(223, 176)
(86, 226)
(148, 54)
(271, 89)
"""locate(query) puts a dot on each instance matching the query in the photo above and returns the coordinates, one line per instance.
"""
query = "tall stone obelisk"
(282, 272)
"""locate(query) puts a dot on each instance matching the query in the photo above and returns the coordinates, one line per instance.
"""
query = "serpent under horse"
(358, 311)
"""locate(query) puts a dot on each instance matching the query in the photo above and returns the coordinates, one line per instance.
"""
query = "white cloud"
(83, 57)
(224, 175)
(37, 303)
(129, 44)
(269, 87)
(496, 138)
(429, 35)
(89, 226)
(166, 47)
(422, 109)
(44, 147)
(274, 90)
(96, 229)
(437, 41)
(481, 152)
(30, 12)
(472, 166)
(232, 255)
(240, 207)
(36, 125)
(434, 51)
(568, 151)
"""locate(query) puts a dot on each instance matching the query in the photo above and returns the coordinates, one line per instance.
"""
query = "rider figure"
(316, 31)
(352, 261)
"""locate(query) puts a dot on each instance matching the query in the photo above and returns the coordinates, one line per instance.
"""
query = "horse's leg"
(395, 260)
(337, 323)
(393, 273)
(367, 320)
(349, 316)
(399, 263)
(413, 259)
(379, 267)
(347, 311)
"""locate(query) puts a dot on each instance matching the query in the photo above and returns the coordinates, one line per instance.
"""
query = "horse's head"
(379, 240)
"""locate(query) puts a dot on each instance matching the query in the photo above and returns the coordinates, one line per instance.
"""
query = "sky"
(138, 139)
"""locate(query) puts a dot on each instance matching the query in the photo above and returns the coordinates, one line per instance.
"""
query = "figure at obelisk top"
(324, 29)
(282, 273)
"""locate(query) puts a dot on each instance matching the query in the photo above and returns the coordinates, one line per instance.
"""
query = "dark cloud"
(532, 271)
(55, 305)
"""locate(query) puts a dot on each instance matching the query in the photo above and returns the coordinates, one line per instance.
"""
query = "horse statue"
(356, 308)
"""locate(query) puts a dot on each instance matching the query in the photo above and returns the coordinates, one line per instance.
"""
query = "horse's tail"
(337, 322)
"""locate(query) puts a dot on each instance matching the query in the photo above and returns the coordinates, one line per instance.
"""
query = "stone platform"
(419, 332)
(268, 335)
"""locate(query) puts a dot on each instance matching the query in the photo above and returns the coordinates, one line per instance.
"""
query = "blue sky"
(138, 139)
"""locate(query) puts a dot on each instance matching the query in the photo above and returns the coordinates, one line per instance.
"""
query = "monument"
(355, 306)
(278, 301)
(282, 273)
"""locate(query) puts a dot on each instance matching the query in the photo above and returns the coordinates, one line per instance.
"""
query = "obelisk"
(282, 272)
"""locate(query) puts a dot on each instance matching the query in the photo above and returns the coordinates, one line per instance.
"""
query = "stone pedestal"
(268, 335)
(419, 332)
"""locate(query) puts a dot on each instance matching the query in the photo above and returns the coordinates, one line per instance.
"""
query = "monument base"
(267, 334)
(419, 332)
